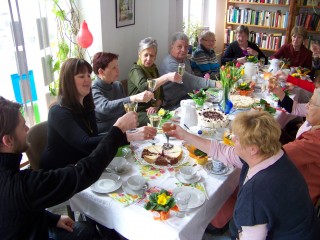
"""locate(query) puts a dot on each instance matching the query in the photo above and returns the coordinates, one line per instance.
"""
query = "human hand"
(145, 96)
(178, 132)
(281, 74)
(277, 90)
(152, 110)
(252, 52)
(65, 223)
(218, 84)
(127, 121)
(242, 60)
(143, 133)
(174, 77)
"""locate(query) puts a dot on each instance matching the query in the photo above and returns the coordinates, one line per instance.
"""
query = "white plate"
(138, 152)
(197, 197)
(125, 170)
(225, 171)
(188, 181)
(108, 182)
(128, 190)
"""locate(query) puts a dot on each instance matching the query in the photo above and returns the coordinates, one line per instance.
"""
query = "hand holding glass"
(152, 85)
(167, 127)
(155, 120)
(131, 107)
(181, 69)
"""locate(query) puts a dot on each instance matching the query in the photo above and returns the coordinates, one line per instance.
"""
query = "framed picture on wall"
(125, 13)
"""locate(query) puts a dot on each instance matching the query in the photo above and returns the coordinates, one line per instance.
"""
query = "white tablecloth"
(134, 222)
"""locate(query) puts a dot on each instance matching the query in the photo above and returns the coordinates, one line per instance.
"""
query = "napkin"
(123, 198)
(199, 186)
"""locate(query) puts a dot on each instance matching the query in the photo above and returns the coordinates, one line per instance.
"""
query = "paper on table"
(123, 198)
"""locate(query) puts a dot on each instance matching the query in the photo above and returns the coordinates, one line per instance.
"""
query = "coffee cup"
(137, 182)
(119, 164)
(217, 166)
(188, 172)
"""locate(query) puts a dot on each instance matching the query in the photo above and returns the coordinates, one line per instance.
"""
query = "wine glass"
(181, 69)
(131, 107)
(152, 85)
(167, 127)
(155, 120)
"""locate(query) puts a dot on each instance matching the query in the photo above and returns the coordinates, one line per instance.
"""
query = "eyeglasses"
(312, 104)
(209, 40)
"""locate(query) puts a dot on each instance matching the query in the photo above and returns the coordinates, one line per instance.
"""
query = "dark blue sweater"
(277, 196)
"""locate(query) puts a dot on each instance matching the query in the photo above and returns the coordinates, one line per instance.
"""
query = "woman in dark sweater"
(238, 50)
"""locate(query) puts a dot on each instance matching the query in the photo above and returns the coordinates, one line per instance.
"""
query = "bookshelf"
(269, 22)
(308, 15)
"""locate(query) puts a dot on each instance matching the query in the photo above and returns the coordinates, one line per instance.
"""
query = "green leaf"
(198, 152)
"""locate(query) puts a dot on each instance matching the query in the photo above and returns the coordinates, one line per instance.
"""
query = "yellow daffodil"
(162, 199)
(161, 112)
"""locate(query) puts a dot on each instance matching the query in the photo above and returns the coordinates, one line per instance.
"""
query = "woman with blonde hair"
(271, 189)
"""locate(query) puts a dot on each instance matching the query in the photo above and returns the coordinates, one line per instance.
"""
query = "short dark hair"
(102, 60)
(242, 29)
(68, 94)
(9, 117)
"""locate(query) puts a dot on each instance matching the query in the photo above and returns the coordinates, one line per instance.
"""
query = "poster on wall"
(125, 13)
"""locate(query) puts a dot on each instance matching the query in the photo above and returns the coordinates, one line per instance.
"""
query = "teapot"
(274, 65)
(250, 70)
(189, 116)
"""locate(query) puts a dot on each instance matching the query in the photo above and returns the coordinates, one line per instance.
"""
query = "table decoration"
(165, 115)
(229, 75)
(252, 58)
(161, 203)
(199, 97)
(245, 88)
(200, 157)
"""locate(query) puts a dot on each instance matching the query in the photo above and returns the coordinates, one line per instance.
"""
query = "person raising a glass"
(143, 70)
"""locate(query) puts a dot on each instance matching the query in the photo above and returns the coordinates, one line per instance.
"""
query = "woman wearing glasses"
(204, 59)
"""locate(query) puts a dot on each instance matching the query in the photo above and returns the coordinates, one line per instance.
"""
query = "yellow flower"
(161, 112)
(162, 199)
(242, 72)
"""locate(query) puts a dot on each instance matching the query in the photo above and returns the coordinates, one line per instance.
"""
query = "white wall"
(154, 18)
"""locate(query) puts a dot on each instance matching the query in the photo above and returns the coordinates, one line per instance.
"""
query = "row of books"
(257, 17)
(308, 2)
(271, 41)
(286, 2)
(309, 21)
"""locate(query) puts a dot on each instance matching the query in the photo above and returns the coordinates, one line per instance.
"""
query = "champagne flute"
(131, 107)
(155, 120)
(167, 127)
(152, 85)
(181, 69)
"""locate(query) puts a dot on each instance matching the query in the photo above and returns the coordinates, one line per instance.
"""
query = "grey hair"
(179, 36)
(205, 34)
(317, 94)
(148, 42)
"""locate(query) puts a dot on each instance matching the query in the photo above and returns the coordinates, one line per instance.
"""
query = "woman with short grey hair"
(173, 92)
(143, 70)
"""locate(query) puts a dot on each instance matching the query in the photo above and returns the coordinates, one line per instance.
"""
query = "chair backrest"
(37, 139)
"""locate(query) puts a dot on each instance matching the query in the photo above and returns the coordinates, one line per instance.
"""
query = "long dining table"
(134, 222)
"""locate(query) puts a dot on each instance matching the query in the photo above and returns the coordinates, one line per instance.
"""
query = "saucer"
(125, 170)
(128, 190)
(224, 171)
(195, 179)
(108, 182)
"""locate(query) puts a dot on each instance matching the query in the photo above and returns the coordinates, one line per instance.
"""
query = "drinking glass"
(182, 200)
(155, 120)
(167, 127)
(152, 85)
(131, 107)
(181, 69)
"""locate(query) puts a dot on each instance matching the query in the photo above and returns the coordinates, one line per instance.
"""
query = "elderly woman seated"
(273, 199)
(174, 92)
(143, 70)
(204, 59)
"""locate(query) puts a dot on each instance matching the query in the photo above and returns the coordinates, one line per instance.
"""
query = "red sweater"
(309, 86)
(301, 58)
(304, 153)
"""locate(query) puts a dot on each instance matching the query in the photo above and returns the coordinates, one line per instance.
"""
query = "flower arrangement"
(285, 63)
(252, 58)
(165, 115)
(244, 86)
(160, 202)
(199, 96)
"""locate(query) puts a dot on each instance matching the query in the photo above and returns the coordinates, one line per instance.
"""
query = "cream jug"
(250, 70)
(189, 115)
(274, 65)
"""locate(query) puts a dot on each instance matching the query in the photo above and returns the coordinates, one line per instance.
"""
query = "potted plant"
(244, 89)
(160, 203)
(199, 97)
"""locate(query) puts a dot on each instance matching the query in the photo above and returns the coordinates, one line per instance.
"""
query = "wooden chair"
(37, 139)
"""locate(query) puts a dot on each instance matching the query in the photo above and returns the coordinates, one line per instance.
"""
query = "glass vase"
(226, 105)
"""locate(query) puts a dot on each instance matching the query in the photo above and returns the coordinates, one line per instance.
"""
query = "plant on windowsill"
(68, 25)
